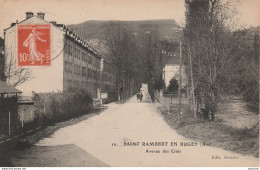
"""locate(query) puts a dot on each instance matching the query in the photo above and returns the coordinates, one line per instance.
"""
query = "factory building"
(56, 58)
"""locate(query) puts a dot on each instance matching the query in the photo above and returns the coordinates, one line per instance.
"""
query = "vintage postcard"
(129, 83)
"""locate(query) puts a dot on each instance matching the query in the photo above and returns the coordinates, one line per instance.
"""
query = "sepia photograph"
(129, 83)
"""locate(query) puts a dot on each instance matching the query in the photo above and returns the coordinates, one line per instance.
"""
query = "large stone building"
(73, 63)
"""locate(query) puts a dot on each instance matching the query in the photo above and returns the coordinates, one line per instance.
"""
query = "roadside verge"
(240, 140)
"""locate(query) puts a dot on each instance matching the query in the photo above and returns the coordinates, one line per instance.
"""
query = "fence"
(9, 120)
(17, 116)
(16, 121)
(171, 101)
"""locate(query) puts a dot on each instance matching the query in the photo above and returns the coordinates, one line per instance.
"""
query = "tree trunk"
(192, 83)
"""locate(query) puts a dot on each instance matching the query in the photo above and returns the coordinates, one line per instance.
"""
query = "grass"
(244, 140)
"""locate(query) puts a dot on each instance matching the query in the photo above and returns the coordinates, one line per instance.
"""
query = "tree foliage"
(218, 56)
(124, 56)
(173, 86)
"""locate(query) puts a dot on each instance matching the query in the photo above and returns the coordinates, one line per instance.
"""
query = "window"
(107, 87)
(104, 77)
(78, 54)
(74, 52)
(90, 73)
(83, 56)
(87, 58)
(98, 76)
(65, 47)
(94, 86)
(69, 49)
(94, 74)
(90, 60)
(65, 66)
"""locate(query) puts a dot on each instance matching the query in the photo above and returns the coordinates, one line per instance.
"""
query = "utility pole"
(180, 75)
(101, 77)
(9, 123)
(192, 83)
(180, 79)
(23, 117)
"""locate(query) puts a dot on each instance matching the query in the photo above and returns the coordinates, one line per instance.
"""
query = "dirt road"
(130, 134)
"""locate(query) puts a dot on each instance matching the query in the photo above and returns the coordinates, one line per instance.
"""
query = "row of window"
(75, 83)
(78, 54)
(106, 77)
(70, 49)
(78, 70)
(72, 68)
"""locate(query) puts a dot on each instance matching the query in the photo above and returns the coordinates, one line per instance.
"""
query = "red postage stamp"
(34, 45)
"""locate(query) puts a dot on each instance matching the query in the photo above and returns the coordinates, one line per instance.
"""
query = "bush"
(59, 106)
(173, 86)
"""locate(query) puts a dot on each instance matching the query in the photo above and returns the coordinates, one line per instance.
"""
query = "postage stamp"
(34, 45)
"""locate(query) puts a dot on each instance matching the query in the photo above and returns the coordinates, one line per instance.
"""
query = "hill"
(97, 29)
(94, 31)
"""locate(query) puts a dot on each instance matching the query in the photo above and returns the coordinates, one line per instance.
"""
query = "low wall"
(26, 112)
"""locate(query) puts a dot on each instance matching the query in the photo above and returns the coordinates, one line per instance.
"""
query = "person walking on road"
(139, 96)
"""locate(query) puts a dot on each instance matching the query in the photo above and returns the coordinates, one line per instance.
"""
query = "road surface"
(100, 140)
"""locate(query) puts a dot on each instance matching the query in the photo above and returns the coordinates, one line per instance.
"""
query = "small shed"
(9, 119)
(7, 89)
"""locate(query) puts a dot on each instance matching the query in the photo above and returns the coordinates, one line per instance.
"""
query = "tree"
(156, 53)
(14, 74)
(124, 56)
(173, 86)
(150, 52)
(138, 59)
(207, 35)
(256, 52)
(9, 71)
(2, 60)
(159, 83)
(247, 62)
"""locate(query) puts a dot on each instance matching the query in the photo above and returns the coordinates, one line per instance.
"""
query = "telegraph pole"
(180, 80)
(9, 123)
(101, 77)
(192, 84)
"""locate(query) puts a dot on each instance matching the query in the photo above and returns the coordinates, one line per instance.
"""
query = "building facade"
(73, 62)
(172, 71)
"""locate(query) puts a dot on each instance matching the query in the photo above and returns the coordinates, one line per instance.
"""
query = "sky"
(78, 11)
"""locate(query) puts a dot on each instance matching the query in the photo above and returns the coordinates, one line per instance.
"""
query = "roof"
(25, 20)
(7, 89)
(25, 100)
(69, 34)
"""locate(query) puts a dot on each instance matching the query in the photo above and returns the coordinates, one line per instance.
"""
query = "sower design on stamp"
(34, 45)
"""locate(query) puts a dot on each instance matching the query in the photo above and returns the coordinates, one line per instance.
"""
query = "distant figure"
(139, 96)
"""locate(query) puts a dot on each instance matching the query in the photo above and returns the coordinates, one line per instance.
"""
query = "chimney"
(41, 15)
(53, 22)
(29, 15)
